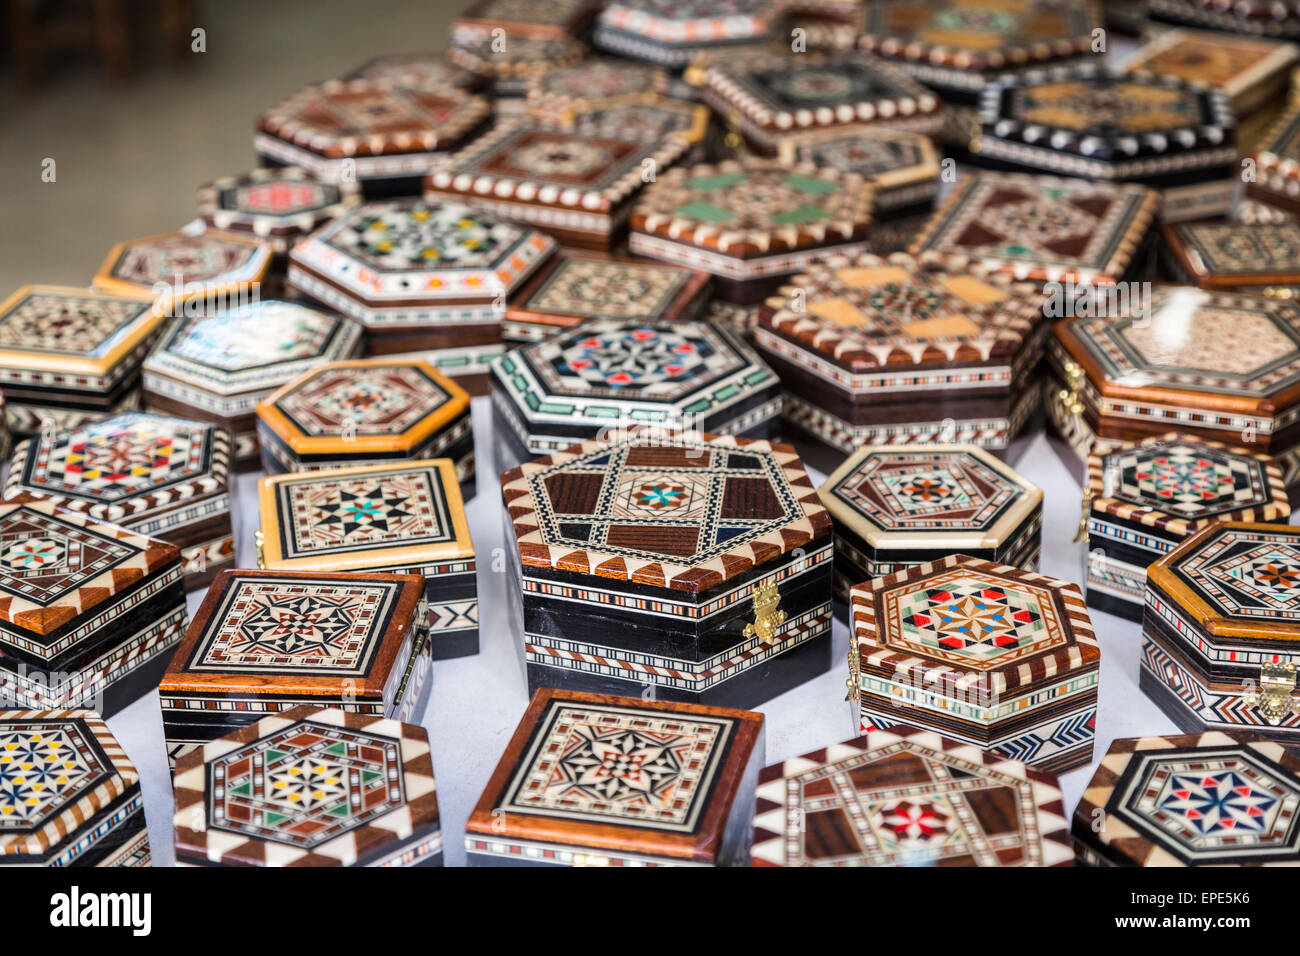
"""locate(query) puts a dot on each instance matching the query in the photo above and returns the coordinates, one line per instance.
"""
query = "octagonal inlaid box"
(182, 271)
(1252, 17)
(73, 797)
(690, 567)
(1207, 799)
(1273, 192)
(615, 373)
(217, 368)
(1257, 258)
(69, 356)
(1145, 498)
(573, 288)
(984, 653)
(898, 507)
(278, 205)
(385, 136)
(167, 478)
(672, 32)
(524, 18)
(404, 518)
(310, 787)
(89, 612)
(264, 642)
(1220, 633)
(598, 780)
(508, 70)
(953, 805)
(751, 222)
(367, 412)
(558, 95)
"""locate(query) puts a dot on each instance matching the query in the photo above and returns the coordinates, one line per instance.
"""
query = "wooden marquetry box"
(1273, 192)
(217, 368)
(615, 373)
(1219, 634)
(278, 205)
(508, 70)
(650, 117)
(597, 780)
(893, 350)
(405, 518)
(575, 287)
(167, 478)
(310, 787)
(89, 612)
(72, 796)
(768, 98)
(752, 222)
(672, 34)
(183, 271)
(524, 18)
(1206, 799)
(385, 135)
(1176, 136)
(367, 412)
(984, 653)
(564, 181)
(898, 507)
(1044, 228)
(70, 356)
(908, 798)
(679, 567)
(1252, 17)
(1258, 258)
(264, 642)
(1143, 499)
(433, 70)
(558, 95)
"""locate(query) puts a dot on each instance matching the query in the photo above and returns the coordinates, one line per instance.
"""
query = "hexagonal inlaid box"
(1209, 799)
(1145, 498)
(217, 368)
(983, 653)
(367, 412)
(184, 271)
(597, 780)
(310, 787)
(278, 205)
(164, 477)
(1257, 258)
(72, 796)
(898, 507)
(615, 373)
(672, 34)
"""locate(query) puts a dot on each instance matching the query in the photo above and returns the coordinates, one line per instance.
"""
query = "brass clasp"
(1082, 533)
(260, 540)
(768, 616)
(1275, 699)
(1069, 396)
(855, 670)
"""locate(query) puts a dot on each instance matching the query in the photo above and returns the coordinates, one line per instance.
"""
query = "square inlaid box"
(672, 33)
(385, 136)
(1044, 228)
(1255, 258)
(1221, 631)
(1254, 17)
(894, 350)
(984, 653)
(508, 70)
(556, 96)
(575, 287)
(1144, 498)
(403, 518)
(367, 412)
(1176, 136)
(69, 356)
(310, 787)
(217, 368)
(898, 507)
(264, 642)
(678, 567)
(524, 18)
(650, 117)
(596, 780)
(566, 182)
(89, 612)
(1273, 192)
(167, 478)
(1207, 799)
(73, 797)
(182, 271)
(433, 70)
(751, 222)
(278, 205)
(854, 804)
(607, 374)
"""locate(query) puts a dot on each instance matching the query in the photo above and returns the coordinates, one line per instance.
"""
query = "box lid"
(1192, 800)
(61, 769)
(643, 115)
(280, 201)
(1242, 16)
(178, 266)
(308, 787)
(904, 167)
(690, 23)
(651, 778)
(525, 18)
(523, 56)
(1277, 160)
(354, 519)
(363, 405)
(1041, 227)
(953, 497)
(433, 70)
(908, 798)
(1246, 69)
(1224, 255)
(558, 94)
(962, 625)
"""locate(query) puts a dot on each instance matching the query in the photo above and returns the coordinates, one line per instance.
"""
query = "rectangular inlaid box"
(597, 780)
(678, 567)
(1258, 258)
(89, 611)
(264, 642)
(405, 518)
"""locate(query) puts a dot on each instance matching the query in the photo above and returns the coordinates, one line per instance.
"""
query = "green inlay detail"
(716, 181)
(801, 214)
(706, 210)
(811, 184)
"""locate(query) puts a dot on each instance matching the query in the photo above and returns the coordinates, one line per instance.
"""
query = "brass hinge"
(1275, 700)
(768, 616)
(855, 670)
(1082, 533)
(1069, 396)
(260, 540)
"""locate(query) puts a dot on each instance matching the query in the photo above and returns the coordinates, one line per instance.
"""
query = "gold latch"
(854, 670)
(768, 616)
(1275, 699)
(1069, 396)
(1082, 533)
(733, 140)
(260, 540)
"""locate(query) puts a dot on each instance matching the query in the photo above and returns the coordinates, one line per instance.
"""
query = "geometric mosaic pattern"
(211, 258)
(360, 400)
(250, 338)
(420, 237)
(277, 204)
(75, 322)
(45, 557)
(1218, 253)
(617, 290)
(1243, 572)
